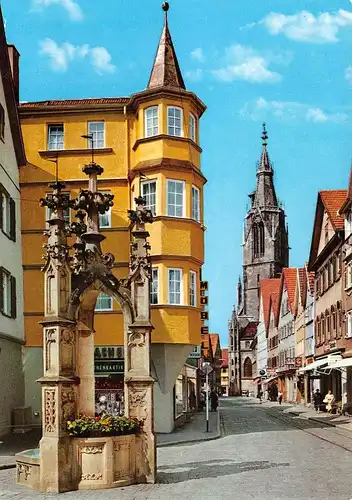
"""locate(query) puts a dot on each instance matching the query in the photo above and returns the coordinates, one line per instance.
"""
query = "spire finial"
(265, 135)
(166, 7)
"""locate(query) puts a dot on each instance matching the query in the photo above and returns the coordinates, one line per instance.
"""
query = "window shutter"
(12, 219)
(1, 291)
(13, 298)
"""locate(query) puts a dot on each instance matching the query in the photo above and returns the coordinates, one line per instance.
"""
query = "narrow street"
(263, 454)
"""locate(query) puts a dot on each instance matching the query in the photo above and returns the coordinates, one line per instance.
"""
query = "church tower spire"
(265, 248)
(265, 195)
(166, 70)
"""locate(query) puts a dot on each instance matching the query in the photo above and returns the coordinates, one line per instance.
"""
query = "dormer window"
(174, 121)
(151, 121)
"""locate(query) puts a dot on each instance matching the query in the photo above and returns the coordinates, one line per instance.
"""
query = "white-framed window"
(175, 286)
(192, 289)
(151, 121)
(7, 214)
(105, 219)
(67, 216)
(154, 286)
(149, 194)
(97, 130)
(192, 127)
(349, 325)
(175, 198)
(195, 203)
(7, 293)
(349, 276)
(55, 136)
(104, 303)
(348, 224)
(175, 121)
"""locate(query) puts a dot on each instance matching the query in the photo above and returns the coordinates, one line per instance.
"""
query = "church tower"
(265, 246)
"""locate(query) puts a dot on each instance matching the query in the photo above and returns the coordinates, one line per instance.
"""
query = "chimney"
(14, 57)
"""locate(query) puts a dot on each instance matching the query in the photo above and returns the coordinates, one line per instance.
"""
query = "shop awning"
(342, 363)
(319, 363)
(270, 379)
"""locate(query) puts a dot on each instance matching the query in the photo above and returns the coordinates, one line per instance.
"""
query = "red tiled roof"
(75, 102)
(302, 281)
(310, 279)
(332, 201)
(224, 358)
(268, 287)
(290, 277)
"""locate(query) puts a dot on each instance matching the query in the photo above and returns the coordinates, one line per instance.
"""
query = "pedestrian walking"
(329, 400)
(317, 399)
(279, 397)
(214, 400)
(260, 395)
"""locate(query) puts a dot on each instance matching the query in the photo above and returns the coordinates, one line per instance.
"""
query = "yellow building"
(147, 143)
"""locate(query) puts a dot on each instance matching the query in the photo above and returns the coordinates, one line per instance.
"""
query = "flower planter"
(105, 462)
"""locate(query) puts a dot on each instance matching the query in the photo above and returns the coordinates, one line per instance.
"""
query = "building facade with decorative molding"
(148, 144)
(12, 160)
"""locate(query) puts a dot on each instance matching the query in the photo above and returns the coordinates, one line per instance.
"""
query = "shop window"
(56, 137)
(149, 194)
(151, 121)
(97, 131)
(104, 303)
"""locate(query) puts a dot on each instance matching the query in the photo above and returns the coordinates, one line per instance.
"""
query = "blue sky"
(288, 63)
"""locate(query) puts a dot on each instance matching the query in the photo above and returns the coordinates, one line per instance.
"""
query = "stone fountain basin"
(28, 468)
(105, 462)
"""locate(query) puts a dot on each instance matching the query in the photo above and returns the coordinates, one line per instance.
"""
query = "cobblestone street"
(263, 454)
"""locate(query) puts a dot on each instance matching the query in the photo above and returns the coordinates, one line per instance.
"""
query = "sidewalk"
(341, 421)
(10, 444)
(193, 431)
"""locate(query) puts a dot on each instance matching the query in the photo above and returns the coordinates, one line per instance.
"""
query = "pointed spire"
(166, 70)
(265, 163)
(265, 191)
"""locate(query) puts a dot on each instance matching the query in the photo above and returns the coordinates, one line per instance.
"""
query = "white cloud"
(194, 75)
(316, 115)
(198, 54)
(290, 111)
(101, 60)
(71, 6)
(244, 63)
(61, 56)
(306, 27)
(348, 73)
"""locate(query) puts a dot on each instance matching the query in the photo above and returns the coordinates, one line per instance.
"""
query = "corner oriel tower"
(265, 247)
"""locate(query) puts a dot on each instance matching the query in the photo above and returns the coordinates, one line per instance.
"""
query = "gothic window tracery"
(247, 368)
(258, 239)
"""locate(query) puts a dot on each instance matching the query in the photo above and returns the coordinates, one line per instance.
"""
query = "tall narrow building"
(265, 248)
(265, 254)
